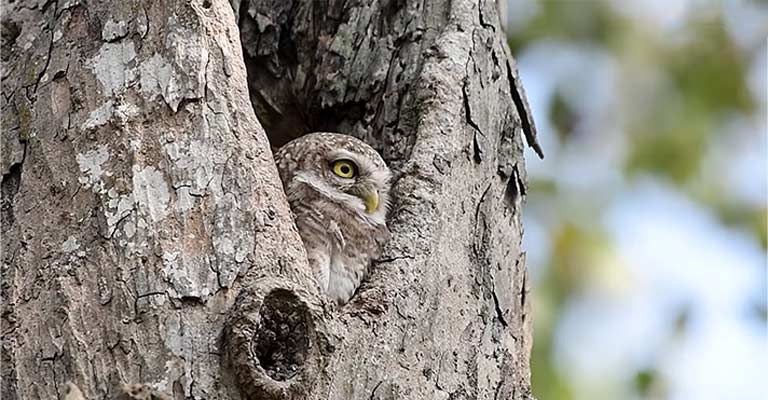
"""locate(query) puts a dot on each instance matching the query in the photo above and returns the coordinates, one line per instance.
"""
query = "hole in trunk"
(283, 339)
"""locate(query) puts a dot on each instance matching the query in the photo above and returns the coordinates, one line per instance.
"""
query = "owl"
(338, 190)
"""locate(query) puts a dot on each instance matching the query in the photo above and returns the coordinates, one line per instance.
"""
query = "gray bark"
(146, 238)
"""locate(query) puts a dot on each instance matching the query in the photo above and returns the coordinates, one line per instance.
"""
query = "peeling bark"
(147, 243)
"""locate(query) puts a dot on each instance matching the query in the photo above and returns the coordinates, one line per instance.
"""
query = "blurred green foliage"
(576, 21)
(668, 135)
(707, 75)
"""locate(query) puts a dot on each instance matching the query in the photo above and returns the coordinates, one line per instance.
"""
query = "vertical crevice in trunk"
(430, 86)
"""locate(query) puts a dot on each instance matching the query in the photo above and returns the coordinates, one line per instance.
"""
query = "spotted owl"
(338, 190)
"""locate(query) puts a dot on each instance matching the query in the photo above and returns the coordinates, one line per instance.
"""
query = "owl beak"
(371, 200)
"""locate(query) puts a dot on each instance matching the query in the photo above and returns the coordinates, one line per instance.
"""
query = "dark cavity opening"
(282, 342)
(10, 186)
(271, 63)
(292, 76)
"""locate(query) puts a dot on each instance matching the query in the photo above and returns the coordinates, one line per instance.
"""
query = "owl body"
(338, 189)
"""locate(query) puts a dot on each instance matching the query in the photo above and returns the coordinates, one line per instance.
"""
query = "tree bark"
(148, 246)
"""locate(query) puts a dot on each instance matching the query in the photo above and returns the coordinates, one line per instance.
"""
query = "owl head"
(340, 168)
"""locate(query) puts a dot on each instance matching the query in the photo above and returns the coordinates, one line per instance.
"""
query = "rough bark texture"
(139, 196)
(146, 238)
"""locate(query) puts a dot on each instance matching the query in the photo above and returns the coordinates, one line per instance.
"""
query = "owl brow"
(342, 154)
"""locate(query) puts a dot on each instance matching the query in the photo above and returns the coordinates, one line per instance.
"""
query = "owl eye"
(344, 168)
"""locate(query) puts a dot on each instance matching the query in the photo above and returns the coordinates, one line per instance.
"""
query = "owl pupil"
(344, 170)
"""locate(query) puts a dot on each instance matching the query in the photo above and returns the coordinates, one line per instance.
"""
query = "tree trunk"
(147, 243)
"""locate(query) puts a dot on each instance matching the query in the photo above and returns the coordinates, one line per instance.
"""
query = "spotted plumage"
(338, 189)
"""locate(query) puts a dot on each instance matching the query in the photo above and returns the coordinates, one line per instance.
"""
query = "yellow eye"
(344, 168)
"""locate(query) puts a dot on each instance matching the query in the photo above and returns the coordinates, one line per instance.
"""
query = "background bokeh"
(645, 225)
